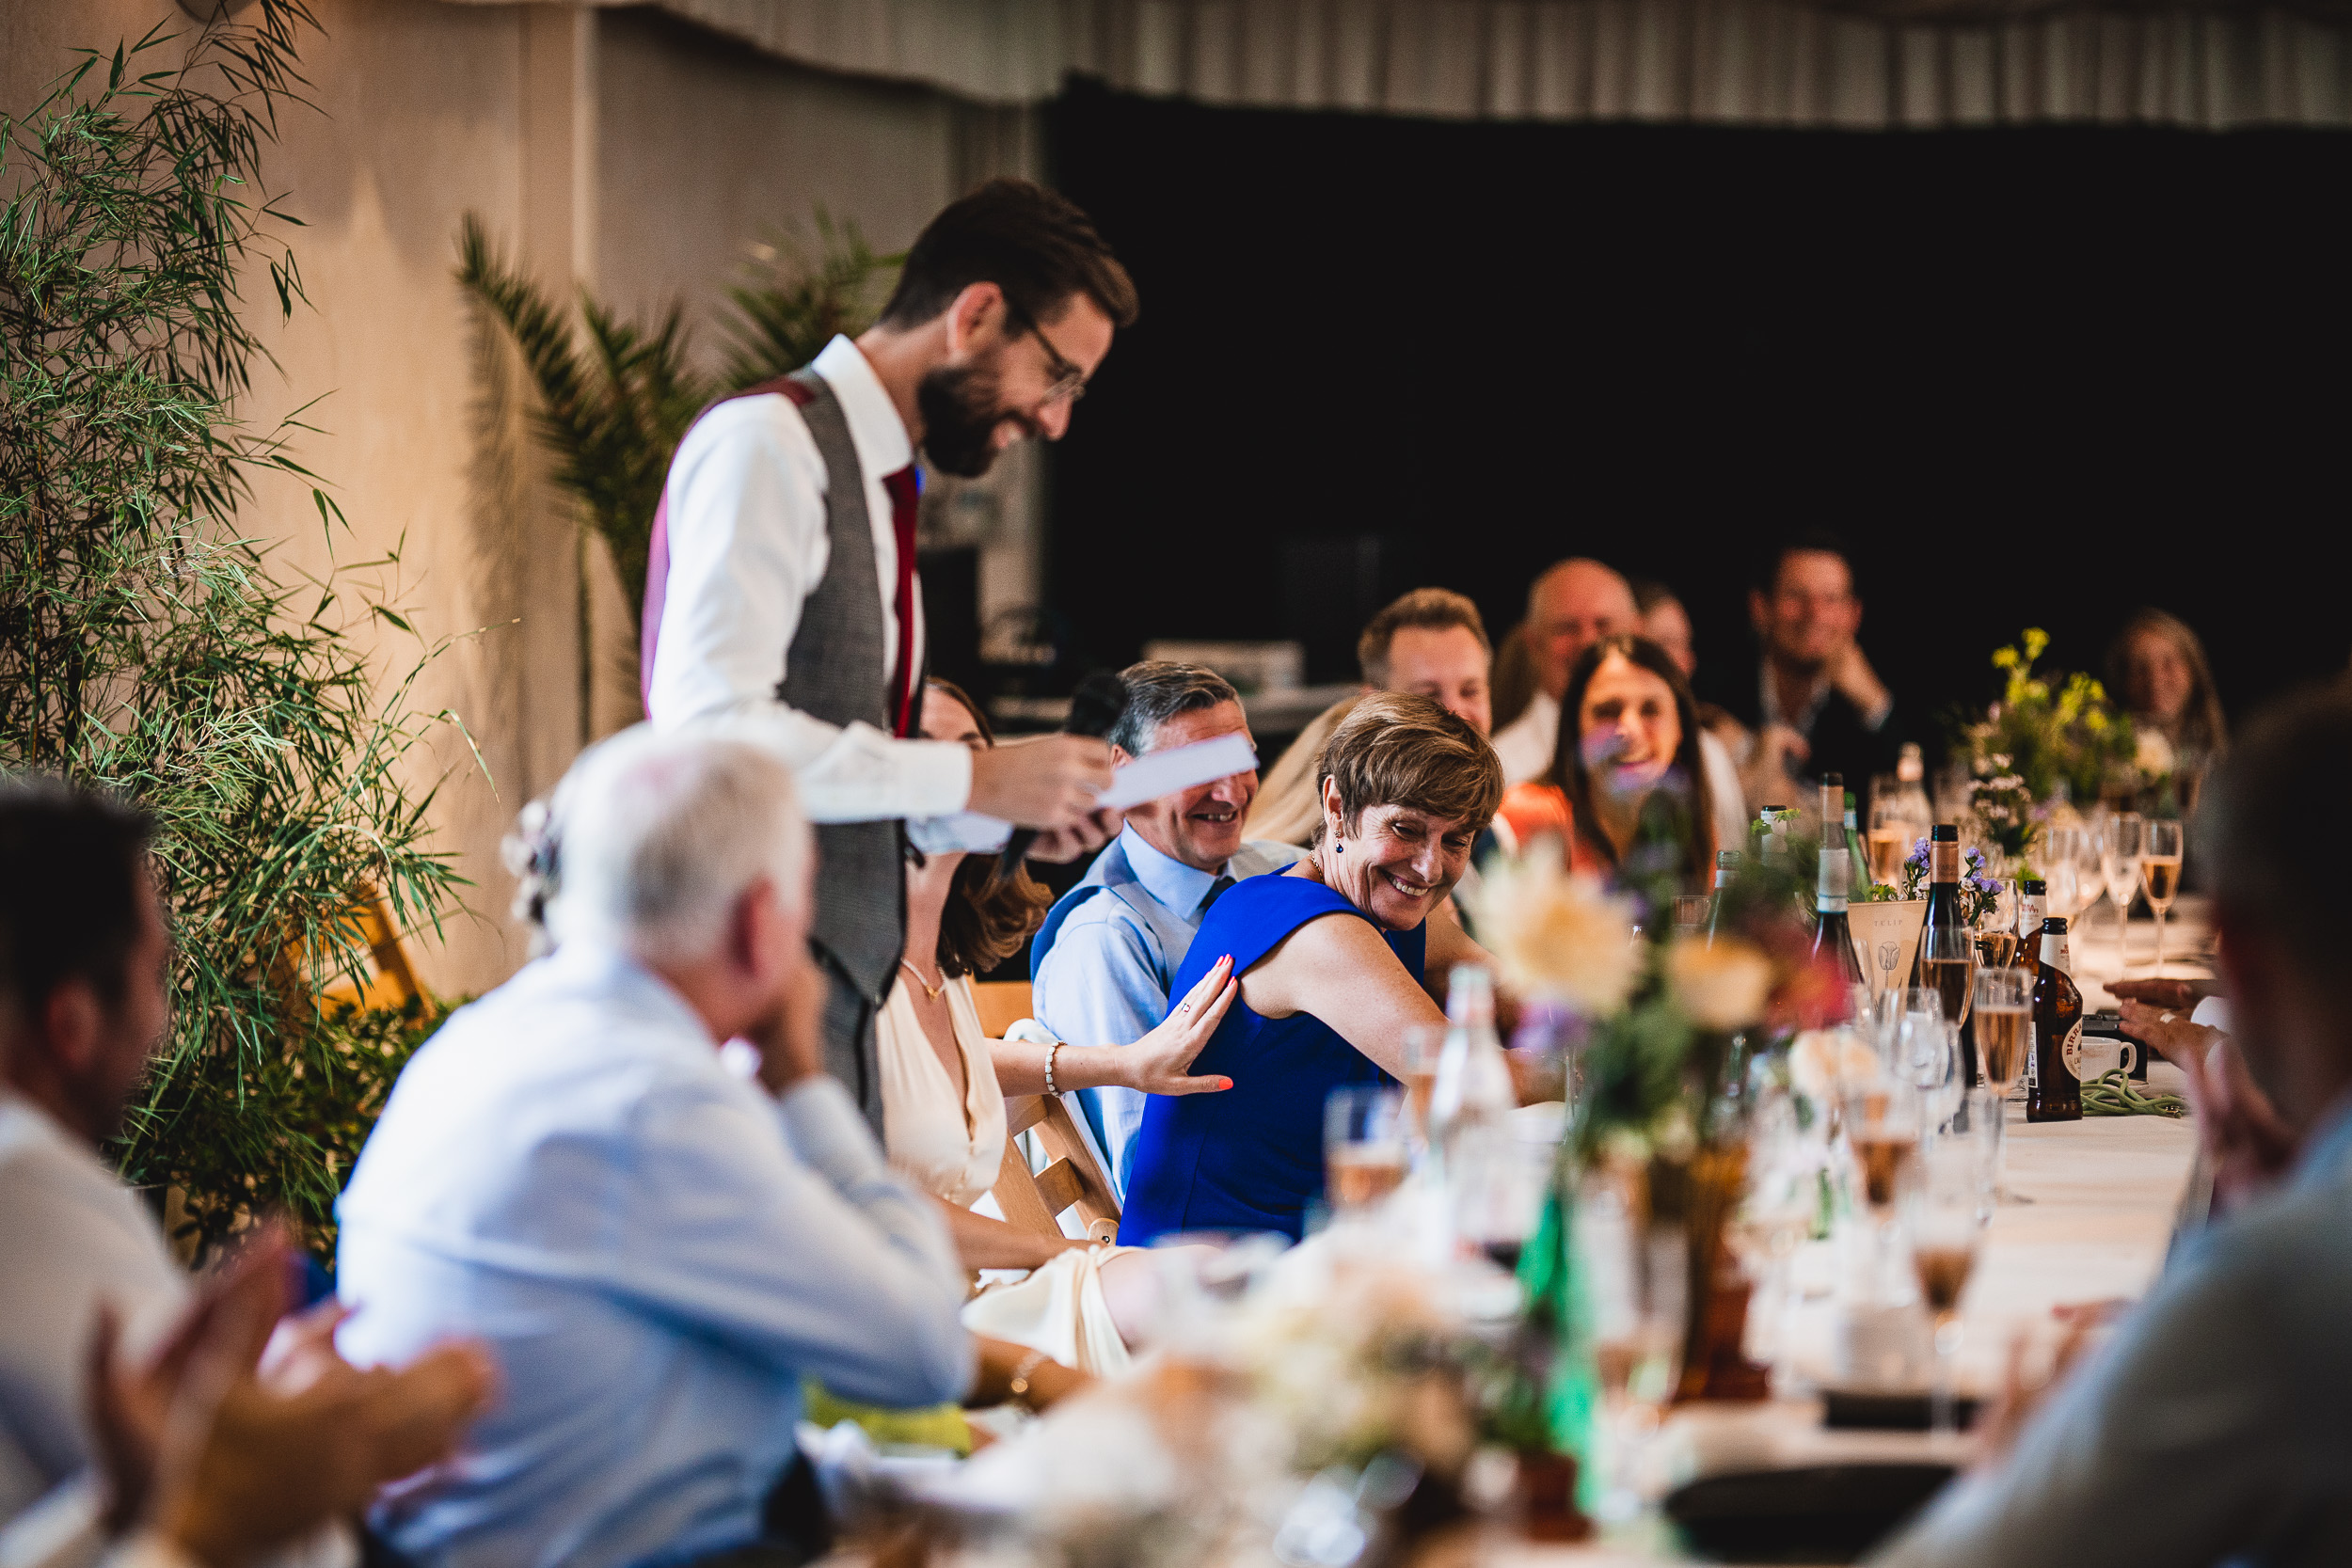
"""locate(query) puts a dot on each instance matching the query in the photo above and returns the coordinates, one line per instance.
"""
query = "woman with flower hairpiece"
(1331, 958)
(1629, 731)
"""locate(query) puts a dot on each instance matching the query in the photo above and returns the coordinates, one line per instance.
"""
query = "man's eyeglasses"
(1070, 378)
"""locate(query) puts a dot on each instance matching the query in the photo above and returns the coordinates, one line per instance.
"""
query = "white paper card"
(1160, 773)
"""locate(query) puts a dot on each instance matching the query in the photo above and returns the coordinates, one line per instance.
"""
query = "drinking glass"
(2004, 1034)
(2160, 873)
(2054, 855)
(1495, 1185)
(1638, 1273)
(1420, 1045)
(1946, 1224)
(1775, 1215)
(1889, 836)
(2090, 877)
(1691, 913)
(1364, 1145)
(1882, 1133)
(2119, 858)
(1947, 957)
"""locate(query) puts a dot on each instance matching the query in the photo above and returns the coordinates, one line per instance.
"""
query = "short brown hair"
(988, 917)
(1398, 749)
(1433, 607)
(1036, 245)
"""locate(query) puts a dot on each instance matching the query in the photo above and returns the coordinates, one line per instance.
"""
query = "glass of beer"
(1946, 1225)
(1364, 1153)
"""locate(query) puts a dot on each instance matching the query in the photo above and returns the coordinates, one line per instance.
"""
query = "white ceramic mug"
(2103, 1053)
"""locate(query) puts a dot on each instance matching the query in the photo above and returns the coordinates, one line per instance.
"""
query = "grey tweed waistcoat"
(833, 670)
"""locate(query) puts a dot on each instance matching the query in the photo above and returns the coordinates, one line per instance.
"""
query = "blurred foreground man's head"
(2282, 920)
(85, 957)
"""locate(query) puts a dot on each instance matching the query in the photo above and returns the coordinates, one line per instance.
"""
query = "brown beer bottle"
(2054, 1084)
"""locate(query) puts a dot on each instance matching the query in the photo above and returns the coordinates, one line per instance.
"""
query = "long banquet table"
(2090, 1211)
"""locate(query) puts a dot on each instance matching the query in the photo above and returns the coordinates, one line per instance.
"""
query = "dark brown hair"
(988, 917)
(1036, 245)
(1398, 749)
(1687, 777)
(2203, 727)
(1434, 609)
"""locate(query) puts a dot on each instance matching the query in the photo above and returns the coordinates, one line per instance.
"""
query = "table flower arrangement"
(1980, 892)
(2046, 730)
(1671, 1024)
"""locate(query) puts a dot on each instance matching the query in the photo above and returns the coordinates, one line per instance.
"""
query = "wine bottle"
(1726, 871)
(1473, 1088)
(1948, 949)
(2053, 1069)
(1857, 854)
(2033, 905)
(1832, 937)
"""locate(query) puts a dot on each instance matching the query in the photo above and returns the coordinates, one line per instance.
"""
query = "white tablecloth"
(2102, 1196)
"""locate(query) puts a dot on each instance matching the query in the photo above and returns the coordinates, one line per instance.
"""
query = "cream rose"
(1721, 985)
(1560, 937)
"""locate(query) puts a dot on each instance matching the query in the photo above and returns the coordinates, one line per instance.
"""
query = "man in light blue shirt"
(656, 1248)
(2216, 1427)
(1102, 963)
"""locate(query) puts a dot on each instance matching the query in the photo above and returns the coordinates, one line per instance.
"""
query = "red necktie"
(904, 488)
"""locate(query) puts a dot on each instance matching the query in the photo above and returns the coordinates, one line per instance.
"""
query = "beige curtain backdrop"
(1868, 65)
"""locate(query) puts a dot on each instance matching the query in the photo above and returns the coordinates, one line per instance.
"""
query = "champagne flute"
(1947, 1226)
(2004, 1034)
(2090, 877)
(1889, 836)
(2120, 857)
(2160, 873)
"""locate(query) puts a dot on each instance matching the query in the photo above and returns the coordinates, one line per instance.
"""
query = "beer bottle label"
(2033, 1060)
(2072, 1050)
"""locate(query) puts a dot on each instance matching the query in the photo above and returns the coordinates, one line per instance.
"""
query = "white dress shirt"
(657, 1252)
(1525, 746)
(747, 540)
(72, 1236)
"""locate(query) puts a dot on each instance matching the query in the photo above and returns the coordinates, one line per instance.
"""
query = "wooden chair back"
(1035, 1201)
(1001, 1004)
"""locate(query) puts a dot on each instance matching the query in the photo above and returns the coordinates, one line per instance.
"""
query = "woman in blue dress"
(1331, 956)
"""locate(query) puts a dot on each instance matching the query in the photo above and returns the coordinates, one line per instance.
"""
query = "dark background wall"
(2035, 376)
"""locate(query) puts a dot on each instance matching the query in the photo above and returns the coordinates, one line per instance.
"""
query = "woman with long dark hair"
(1629, 746)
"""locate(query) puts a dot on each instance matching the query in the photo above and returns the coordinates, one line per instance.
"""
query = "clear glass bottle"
(1473, 1088)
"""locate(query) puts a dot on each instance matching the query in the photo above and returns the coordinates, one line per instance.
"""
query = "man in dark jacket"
(1815, 706)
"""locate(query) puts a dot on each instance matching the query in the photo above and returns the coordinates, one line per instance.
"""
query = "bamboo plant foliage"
(149, 647)
(613, 410)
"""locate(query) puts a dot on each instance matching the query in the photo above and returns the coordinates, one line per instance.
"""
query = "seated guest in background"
(87, 1281)
(1571, 607)
(1332, 957)
(1287, 807)
(2228, 1384)
(1512, 679)
(1431, 641)
(1432, 644)
(1103, 962)
(1815, 706)
(2157, 666)
(1635, 732)
(657, 1248)
(945, 1082)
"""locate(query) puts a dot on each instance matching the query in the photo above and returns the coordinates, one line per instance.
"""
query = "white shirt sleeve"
(746, 497)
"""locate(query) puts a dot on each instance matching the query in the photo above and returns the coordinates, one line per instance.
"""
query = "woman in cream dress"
(943, 1082)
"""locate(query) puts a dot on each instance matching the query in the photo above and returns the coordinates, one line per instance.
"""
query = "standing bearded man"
(781, 588)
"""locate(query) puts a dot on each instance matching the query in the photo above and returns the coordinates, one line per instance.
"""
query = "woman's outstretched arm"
(1160, 1063)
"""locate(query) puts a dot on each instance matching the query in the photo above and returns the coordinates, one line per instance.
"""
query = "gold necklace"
(928, 990)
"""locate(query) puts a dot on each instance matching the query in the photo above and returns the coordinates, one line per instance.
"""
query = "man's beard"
(960, 419)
